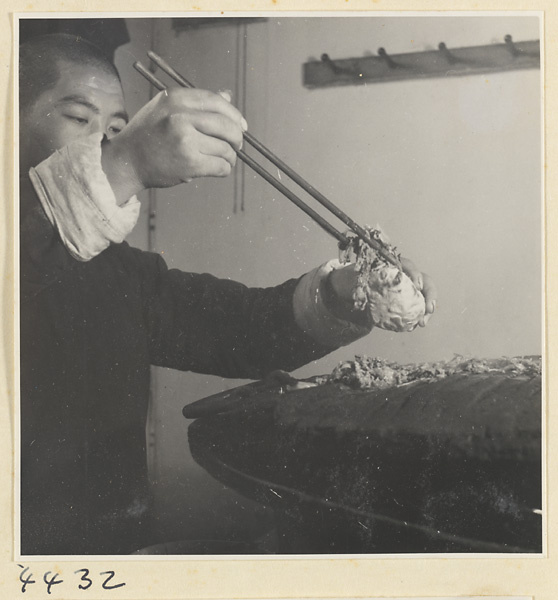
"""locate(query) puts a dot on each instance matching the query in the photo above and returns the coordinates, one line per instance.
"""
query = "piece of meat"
(393, 301)
(366, 372)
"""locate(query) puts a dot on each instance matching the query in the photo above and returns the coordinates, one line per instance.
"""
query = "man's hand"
(424, 284)
(179, 135)
(344, 280)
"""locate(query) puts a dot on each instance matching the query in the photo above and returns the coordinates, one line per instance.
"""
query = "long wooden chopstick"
(311, 190)
(157, 83)
(273, 158)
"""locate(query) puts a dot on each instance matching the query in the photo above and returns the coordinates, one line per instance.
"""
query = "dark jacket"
(89, 333)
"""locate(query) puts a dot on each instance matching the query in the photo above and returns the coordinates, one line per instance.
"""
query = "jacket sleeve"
(207, 325)
(198, 322)
(195, 322)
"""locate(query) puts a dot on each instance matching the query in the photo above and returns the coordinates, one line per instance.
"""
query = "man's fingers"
(210, 158)
(413, 273)
(226, 94)
(430, 294)
(425, 319)
(197, 127)
(212, 166)
(218, 126)
(424, 283)
(204, 101)
(217, 148)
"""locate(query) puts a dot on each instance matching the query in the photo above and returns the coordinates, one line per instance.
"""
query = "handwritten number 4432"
(51, 579)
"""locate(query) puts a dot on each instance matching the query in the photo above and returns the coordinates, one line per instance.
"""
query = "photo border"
(435, 575)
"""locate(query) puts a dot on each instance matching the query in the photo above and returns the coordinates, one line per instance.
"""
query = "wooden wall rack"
(443, 62)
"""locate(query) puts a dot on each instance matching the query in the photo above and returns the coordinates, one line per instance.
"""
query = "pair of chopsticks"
(357, 229)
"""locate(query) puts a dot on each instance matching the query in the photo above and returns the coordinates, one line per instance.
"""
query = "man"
(95, 313)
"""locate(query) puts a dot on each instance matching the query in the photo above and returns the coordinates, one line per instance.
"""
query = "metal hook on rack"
(451, 58)
(336, 68)
(387, 59)
(514, 50)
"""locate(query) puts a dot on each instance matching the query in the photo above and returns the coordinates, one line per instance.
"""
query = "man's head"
(68, 90)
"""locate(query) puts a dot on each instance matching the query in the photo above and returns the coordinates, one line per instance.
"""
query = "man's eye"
(76, 119)
(116, 126)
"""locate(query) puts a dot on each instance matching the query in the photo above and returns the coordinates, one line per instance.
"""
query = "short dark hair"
(39, 60)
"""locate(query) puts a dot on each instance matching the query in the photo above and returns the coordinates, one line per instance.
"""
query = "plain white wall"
(450, 168)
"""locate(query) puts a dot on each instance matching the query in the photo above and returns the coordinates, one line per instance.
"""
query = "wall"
(450, 169)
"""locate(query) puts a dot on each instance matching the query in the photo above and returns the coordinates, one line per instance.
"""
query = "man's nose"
(100, 124)
(97, 125)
